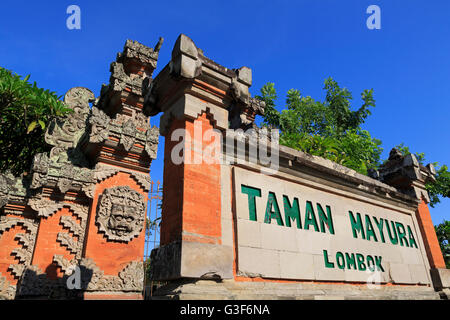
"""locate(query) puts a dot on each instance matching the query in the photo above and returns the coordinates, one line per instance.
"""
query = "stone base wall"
(190, 289)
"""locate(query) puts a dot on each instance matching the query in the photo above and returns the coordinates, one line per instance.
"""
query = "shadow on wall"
(37, 285)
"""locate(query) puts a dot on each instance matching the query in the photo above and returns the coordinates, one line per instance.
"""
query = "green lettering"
(310, 217)
(327, 263)
(401, 234)
(380, 228)
(378, 263)
(350, 259)
(370, 263)
(361, 264)
(393, 240)
(324, 219)
(356, 225)
(412, 241)
(370, 233)
(251, 193)
(272, 210)
(340, 260)
(291, 212)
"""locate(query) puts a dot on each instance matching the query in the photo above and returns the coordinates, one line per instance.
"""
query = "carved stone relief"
(46, 208)
(103, 172)
(23, 254)
(151, 142)
(7, 291)
(128, 136)
(125, 129)
(99, 125)
(5, 187)
(66, 132)
(131, 278)
(121, 213)
(63, 175)
(35, 282)
(66, 167)
(243, 115)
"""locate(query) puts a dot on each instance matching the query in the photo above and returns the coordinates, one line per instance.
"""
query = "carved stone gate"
(80, 210)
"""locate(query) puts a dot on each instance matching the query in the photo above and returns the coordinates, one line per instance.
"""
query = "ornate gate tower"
(74, 226)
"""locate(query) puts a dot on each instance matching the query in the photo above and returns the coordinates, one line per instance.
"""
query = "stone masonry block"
(256, 262)
(203, 260)
(296, 266)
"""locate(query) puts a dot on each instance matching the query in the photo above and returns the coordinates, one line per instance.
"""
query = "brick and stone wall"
(237, 229)
(233, 226)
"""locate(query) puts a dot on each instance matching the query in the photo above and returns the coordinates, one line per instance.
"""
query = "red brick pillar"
(122, 145)
(408, 175)
(193, 190)
(432, 247)
(195, 95)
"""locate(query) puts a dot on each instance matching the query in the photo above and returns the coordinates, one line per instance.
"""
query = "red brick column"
(195, 95)
(47, 244)
(432, 247)
(112, 256)
(173, 177)
(192, 212)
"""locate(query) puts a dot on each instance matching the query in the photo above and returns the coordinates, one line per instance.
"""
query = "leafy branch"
(25, 112)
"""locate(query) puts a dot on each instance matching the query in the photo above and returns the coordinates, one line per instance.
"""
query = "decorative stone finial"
(407, 175)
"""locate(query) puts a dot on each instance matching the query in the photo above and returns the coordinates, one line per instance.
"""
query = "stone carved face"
(120, 221)
(121, 213)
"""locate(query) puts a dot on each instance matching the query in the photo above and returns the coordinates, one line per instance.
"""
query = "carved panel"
(45, 207)
(151, 142)
(121, 213)
(76, 229)
(99, 123)
(66, 167)
(131, 278)
(60, 173)
(7, 291)
(103, 172)
(6, 184)
(66, 132)
(70, 223)
(23, 253)
(67, 241)
(36, 283)
(128, 136)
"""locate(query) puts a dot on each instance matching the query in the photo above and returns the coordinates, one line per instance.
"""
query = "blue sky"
(295, 44)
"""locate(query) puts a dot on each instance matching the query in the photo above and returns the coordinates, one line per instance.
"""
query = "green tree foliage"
(25, 111)
(443, 235)
(329, 129)
(439, 188)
